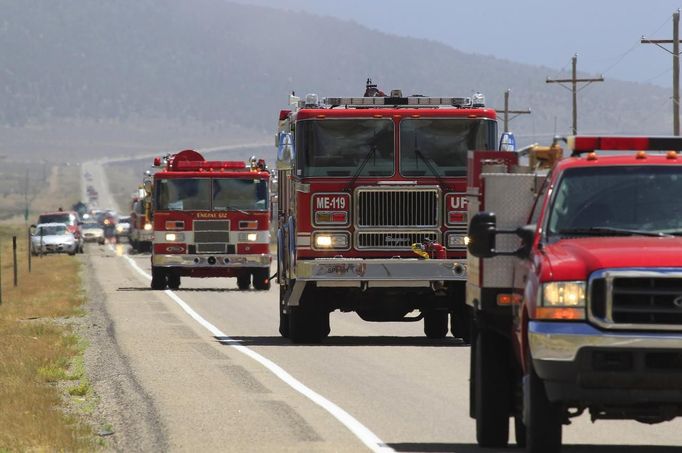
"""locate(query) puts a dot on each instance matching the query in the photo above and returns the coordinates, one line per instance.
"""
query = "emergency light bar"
(586, 144)
(412, 101)
(208, 164)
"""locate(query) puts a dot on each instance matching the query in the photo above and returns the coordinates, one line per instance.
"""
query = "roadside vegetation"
(41, 359)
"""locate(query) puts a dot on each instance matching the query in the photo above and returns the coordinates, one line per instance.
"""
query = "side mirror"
(482, 230)
(527, 235)
(285, 152)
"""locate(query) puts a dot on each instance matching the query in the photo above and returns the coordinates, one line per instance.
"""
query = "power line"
(574, 80)
(506, 112)
(676, 66)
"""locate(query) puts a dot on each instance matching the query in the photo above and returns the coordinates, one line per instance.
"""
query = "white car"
(92, 232)
(53, 238)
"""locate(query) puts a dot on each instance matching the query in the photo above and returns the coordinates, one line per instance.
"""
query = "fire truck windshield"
(337, 147)
(205, 194)
(443, 142)
(617, 200)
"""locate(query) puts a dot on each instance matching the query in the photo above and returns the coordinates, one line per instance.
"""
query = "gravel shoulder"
(123, 407)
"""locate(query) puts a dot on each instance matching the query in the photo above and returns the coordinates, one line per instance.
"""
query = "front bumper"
(216, 261)
(580, 363)
(397, 272)
(55, 248)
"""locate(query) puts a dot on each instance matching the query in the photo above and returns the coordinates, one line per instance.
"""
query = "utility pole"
(676, 66)
(507, 112)
(574, 80)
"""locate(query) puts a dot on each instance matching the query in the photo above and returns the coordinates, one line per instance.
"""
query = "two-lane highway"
(210, 372)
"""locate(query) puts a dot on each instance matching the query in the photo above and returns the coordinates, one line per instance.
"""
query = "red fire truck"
(211, 219)
(575, 278)
(372, 209)
(141, 226)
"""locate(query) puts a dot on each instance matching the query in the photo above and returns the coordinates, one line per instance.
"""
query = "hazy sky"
(605, 33)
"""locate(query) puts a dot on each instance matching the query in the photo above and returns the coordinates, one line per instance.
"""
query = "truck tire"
(305, 324)
(283, 317)
(460, 323)
(173, 281)
(492, 390)
(159, 280)
(543, 419)
(243, 281)
(261, 279)
(436, 324)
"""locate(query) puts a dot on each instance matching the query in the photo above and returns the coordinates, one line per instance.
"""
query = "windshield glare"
(642, 198)
(205, 194)
(56, 230)
(337, 147)
(444, 142)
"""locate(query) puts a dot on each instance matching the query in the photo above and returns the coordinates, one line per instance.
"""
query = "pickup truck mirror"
(527, 235)
(482, 230)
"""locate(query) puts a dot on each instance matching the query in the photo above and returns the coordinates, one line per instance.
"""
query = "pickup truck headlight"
(562, 300)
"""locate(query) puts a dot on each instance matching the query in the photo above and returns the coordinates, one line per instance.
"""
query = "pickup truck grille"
(623, 300)
(400, 207)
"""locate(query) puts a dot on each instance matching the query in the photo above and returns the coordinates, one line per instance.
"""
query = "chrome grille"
(211, 225)
(211, 236)
(623, 300)
(211, 248)
(397, 207)
(400, 240)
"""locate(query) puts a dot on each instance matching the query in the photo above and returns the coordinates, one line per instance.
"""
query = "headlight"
(563, 294)
(248, 237)
(331, 241)
(119, 228)
(562, 301)
(147, 226)
(173, 237)
(456, 241)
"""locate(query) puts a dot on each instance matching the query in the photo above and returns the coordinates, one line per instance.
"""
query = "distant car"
(53, 238)
(93, 232)
(122, 227)
(69, 218)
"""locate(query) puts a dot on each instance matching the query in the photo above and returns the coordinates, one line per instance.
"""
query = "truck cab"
(586, 314)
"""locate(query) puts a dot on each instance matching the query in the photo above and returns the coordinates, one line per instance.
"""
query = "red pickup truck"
(575, 278)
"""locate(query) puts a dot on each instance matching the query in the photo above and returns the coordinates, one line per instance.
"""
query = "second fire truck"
(211, 219)
(372, 209)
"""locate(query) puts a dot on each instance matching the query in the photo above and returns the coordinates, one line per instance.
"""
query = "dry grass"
(36, 352)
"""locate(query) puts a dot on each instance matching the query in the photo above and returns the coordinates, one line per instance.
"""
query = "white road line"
(358, 429)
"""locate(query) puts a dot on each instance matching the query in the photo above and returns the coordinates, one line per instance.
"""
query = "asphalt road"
(208, 371)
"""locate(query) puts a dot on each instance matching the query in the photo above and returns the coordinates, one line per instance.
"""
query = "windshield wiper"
(372, 151)
(426, 161)
(230, 208)
(607, 231)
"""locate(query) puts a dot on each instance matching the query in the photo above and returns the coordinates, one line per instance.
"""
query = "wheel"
(283, 317)
(243, 281)
(73, 253)
(492, 389)
(173, 281)
(100, 242)
(436, 324)
(304, 324)
(159, 280)
(543, 419)
(460, 323)
(261, 279)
